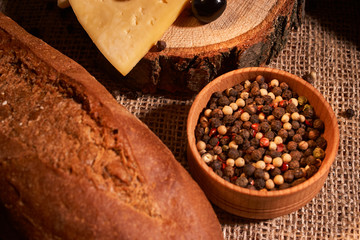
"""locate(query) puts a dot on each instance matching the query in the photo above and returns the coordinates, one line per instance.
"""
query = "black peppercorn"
(264, 127)
(217, 150)
(233, 153)
(284, 186)
(249, 170)
(297, 138)
(292, 145)
(259, 101)
(275, 171)
(256, 155)
(223, 101)
(295, 125)
(287, 94)
(259, 173)
(295, 155)
(216, 165)
(259, 183)
(213, 141)
(245, 134)
(270, 135)
(242, 181)
(298, 173)
(228, 171)
(321, 142)
(318, 124)
(278, 112)
(219, 172)
(284, 85)
(289, 176)
(276, 91)
(349, 113)
(311, 171)
(293, 164)
(291, 108)
(276, 125)
(251, 109)
(283, 133)
(298, 181)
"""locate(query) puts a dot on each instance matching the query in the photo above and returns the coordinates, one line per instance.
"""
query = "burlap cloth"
(328, 42)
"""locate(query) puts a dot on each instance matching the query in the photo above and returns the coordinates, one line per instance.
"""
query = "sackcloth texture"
(328, 42)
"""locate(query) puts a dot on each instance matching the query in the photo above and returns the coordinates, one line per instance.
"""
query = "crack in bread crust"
(34, 101)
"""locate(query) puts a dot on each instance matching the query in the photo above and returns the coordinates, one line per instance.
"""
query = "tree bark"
(184, 67)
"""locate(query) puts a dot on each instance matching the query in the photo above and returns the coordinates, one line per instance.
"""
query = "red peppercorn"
(308, 123)
(240, 110)
(220, 159)
(255, 126)
(264, 142)
(280, 147)
(259, 108)
(233, 179)
(284, 167)
(283, 103)
(212, 131)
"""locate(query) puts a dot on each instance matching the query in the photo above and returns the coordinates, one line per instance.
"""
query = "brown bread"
(74, 164)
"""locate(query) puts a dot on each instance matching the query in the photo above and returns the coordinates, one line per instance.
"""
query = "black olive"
(208, 10)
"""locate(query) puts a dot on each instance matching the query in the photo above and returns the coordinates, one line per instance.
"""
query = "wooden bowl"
(253, 203)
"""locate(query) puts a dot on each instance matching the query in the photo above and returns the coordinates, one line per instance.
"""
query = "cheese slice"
(125, 30)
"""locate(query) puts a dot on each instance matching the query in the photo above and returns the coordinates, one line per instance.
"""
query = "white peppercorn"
(267, 159)
(240, 102)
(240, 162)
(278, 179)
(234, 106)
(274, 83)
(287, 126)
(201, 145)
(233, 144)
(263, 92)
(303, 145)
(222, 130)
(244, 95)
(295, 116)
(245, 116)
(207, 112)
(272, 95)
(270, 118)
(285, 118)
(230, 162)
(286, 157)
(259, 135)
(247, 84)
(269, 184)
(260, 164)
(207, 157)
(294, 101)
(277, 162)
(278, 140)
(272, 146)
(227, 110)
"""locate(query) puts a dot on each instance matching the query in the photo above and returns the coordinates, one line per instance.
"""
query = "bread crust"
(132, 189)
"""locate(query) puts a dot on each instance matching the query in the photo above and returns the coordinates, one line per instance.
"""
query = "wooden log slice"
(249, 33)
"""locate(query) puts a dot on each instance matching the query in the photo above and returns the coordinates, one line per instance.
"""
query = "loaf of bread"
(74, 164)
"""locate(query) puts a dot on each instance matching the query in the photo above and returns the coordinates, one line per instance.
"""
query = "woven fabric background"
(328, 42)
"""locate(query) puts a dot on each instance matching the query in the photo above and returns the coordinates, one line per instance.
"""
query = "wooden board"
(249, 33)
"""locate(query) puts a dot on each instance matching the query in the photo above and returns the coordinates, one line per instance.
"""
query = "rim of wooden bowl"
(221, 83)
